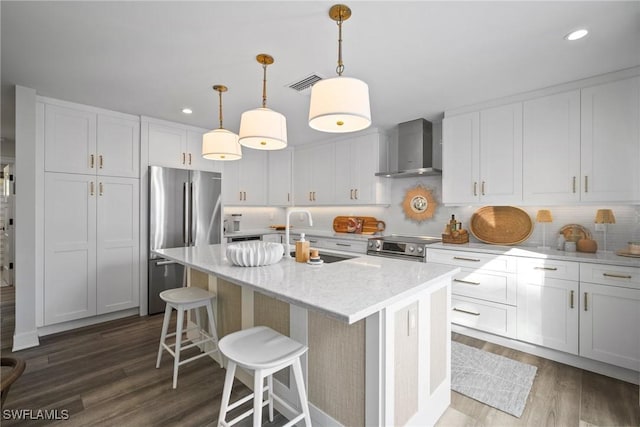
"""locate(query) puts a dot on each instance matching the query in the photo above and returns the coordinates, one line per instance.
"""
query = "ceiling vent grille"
(304, 85)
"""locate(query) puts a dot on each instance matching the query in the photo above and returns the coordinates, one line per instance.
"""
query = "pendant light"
(221, 144)
(340, 104)
(262, 128)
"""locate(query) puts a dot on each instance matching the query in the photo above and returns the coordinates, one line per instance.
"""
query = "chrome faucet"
(287, 252)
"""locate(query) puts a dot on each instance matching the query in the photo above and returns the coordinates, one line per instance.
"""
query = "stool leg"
(258, 382)
(163, 334)
(212, 329)
(270, 396)
(302, 394)
(226, 391)
(176, 361)
(199, 323)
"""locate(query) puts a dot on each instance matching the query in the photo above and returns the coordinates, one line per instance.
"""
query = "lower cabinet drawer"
(346, 245)
(486, 316)
(486, 285)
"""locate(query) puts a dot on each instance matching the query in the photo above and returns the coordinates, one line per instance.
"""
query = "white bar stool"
(184, 299)
(264, 351)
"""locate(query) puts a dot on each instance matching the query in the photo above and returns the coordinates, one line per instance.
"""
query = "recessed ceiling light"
(187, 110)
(577, 34)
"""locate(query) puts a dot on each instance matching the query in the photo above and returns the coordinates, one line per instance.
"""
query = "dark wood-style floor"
(105, 375)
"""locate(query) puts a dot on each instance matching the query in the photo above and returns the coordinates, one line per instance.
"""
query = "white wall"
(27, 229)
(627, 225)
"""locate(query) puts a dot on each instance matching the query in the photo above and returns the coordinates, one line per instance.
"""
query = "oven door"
(397, 256)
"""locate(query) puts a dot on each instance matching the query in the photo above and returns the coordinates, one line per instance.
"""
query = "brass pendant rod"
(220, 108)
(340, 67)
(264, 85)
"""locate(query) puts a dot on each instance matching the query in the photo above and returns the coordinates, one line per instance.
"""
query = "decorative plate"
(501, 225)
(627, 254)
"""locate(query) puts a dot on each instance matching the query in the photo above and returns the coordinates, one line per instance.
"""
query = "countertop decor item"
(627, 254)
(357, 224)
(255, 253)
(419, 203)
(587, 245)
(574, 232)
(221, 144)
(605, 216)
(544, 216)
(339, 104)
(501, 225)
(263, 128)
(454, 233)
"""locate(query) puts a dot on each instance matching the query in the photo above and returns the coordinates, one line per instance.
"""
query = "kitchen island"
(378, 330)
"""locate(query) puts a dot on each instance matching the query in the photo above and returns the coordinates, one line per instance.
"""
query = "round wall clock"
(419, 204)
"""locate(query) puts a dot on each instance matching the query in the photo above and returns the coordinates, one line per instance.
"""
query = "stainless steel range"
(413, 248)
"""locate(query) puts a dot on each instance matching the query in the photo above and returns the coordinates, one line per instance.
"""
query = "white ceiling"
(419, 58)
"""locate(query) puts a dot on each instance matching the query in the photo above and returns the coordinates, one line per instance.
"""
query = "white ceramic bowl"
(254, 254)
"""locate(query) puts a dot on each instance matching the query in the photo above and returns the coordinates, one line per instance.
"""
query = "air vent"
(303, 85)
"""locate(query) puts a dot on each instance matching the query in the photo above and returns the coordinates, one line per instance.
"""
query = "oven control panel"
(395, 248)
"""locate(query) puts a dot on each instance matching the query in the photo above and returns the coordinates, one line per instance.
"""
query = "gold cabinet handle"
(355, 192)
(482, 188)
(574, 184)
(314, 196)
(617, 276)
(184, 158)
(310, 199)
(546, 268)
(189, 158)
(92, 160)
(351, 194)
(100, 161)
(91, 189)
(100, 189)
(240, 196)
(466, 282)
(466, 259)
(586, 184)
(288, 197)
(475, 188)
(473, 313)
(585, 301)
(571, 295)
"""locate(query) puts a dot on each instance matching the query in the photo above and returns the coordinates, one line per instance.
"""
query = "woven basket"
(501, 225)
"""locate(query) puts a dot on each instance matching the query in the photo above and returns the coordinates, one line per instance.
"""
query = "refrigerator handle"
(185, 214)
(191, 219)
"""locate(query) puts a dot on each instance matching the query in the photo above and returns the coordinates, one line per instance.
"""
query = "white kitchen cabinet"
(610, 142)
(551, 149)
(279, 177)
(177, 146)
(118, 224)
(244, 181)
(548, 303)
(91, 246)
(482, 156)
(79, 139)
(357, 159)
(314, 175)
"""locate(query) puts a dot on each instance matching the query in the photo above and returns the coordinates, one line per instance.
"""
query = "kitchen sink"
(329, 258)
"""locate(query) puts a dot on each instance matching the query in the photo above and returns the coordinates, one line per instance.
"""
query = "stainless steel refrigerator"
(185, 209)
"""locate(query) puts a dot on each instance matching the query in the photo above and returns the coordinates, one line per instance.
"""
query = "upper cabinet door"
(610, 149)
(167, 146)
(551, 147)
(501, 154)
(69, 140)
(460, 158)
(279, 177)
(118, 146)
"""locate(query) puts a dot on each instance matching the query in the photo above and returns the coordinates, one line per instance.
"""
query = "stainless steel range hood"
(415, 152)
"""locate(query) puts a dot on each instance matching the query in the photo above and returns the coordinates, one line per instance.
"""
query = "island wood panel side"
(439, 334)
(336, 368)
(268, 311)
(406, 364)
(229, 307)
(198, 279)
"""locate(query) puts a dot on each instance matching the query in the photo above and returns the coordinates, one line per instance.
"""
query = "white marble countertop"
(295, 231)
(533, 252)
(349, 290)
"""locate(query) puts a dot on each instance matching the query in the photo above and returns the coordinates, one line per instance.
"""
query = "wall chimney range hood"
(415, 152)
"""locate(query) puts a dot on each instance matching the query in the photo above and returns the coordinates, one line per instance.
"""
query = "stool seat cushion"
(260, 347)
(185, 295)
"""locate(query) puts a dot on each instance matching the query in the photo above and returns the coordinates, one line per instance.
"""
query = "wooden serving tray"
(355, 224)
(501, 225)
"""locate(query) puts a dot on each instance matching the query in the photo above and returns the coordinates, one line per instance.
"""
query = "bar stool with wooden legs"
(265, 352)
(182, 300)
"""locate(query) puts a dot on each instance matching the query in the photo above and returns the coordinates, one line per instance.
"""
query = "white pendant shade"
(263, 129)
(221, 144)
(340, 104)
